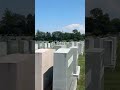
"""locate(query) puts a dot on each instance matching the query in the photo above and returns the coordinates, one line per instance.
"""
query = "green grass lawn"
(81, 82)
(112, 78)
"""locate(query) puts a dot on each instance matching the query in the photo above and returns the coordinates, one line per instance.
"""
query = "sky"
(60, 15)
(17, 6)
(112, 7)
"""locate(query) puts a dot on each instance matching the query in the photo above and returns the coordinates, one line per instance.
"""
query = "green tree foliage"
(16, 24)
(76, 35)
(59, 36)
(100, 23)
(40, 35)
(48, 36)
(115, 23)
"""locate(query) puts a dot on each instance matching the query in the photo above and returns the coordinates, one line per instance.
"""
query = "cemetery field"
(81, 82)
(112, 78)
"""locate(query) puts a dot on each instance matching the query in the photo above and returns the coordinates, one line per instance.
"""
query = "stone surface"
(63, 69)
(75, 59)
(17, 72)
(12, 46)
(3, 49)
(108, 47)
(43, 68)
(32, 46)
(95, 68)
(114, 39)
(56, 47)
(36, 46)
(24, 46)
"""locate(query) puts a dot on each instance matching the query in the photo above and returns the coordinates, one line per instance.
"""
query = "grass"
(81, 81)
(112, 78)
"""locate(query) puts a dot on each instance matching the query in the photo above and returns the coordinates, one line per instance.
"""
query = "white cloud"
(71, 27)
(67, 28)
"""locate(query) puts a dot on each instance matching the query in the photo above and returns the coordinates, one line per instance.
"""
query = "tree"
(40, 35)
(76, 35)
(16, 24)
(96, 12)
(48, 36)
(6, 22)
(30, 24)
(98, 22)
(67, 36)
(115, 23)
(57, 35)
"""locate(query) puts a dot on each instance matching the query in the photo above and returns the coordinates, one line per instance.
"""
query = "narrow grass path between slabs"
(81, 82)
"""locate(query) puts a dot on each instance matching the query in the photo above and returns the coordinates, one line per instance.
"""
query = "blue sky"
(63, 15)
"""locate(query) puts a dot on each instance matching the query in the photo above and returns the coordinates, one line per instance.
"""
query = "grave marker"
(12, 46)
(95, 69)
(24, 46)
(43, 68)
(3, 49)
(63, 78)
(56, 47)
(17, 72)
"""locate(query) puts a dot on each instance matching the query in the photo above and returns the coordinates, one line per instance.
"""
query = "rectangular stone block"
(75, 59)
(63, 70)
(79, 48)
(82, 47)
(24, 46)
(86, 43)
(68, 45)
(43, 68)
(3, 49)
(32, 46)
(17, 72)
(114, 39)
(97, 42)
(94, 67)
(52, 44)
(108, 47)
(46, 45)
(89, 42)
(56, 47)
(12, 46)
(36, 46)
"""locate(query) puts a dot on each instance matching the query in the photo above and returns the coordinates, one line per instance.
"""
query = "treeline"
(99, 23)
(59, 36)
(13, 24)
